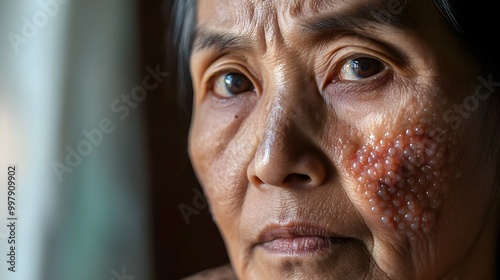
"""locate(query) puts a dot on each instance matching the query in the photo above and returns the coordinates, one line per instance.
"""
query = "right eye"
(230, 84)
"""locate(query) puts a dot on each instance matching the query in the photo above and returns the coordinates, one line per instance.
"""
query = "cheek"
(403, 177)
(219, 151)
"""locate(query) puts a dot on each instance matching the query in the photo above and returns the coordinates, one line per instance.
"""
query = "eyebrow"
(354, 21)
(204, 39)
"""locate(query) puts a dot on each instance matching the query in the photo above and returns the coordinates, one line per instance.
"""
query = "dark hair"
(468, 19)
(179, 40)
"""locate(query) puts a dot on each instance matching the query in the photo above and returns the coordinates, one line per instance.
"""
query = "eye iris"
(236, 83)
(366, 67)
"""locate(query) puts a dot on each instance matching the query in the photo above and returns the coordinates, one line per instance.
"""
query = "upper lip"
(295, 230)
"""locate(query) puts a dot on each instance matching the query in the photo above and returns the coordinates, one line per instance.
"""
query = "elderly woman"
(346, 139)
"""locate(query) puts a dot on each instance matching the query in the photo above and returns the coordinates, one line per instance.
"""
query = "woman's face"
(342, 139)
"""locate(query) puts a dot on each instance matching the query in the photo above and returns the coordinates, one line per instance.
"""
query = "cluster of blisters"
(403, 176)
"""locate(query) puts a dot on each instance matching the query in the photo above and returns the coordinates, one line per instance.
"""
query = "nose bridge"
(278, 128)
(287, 106)
(288, 88)
(289, 94)
(286, 152)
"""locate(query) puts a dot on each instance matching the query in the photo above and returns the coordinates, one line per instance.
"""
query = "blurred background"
(90, 117)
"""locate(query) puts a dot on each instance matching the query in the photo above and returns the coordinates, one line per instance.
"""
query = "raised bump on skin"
(403, 177)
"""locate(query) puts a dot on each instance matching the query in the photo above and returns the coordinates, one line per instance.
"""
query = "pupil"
(365, 65)
(234, 82)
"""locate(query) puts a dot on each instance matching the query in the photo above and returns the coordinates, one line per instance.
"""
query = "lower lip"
(301, 245)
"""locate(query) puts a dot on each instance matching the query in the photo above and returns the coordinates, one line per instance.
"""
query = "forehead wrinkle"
(309, 9)
(270, 18)
(282, 11)
(227, 15)
(260, 19)
(267, 22)
(300, 8)
(291, 13)
(297, 8)
(246, 16)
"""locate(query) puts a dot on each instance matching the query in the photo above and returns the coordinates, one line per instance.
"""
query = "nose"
(288, 154)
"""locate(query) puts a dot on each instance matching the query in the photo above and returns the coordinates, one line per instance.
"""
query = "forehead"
(243, 7)
(280, 23)
(244, 13)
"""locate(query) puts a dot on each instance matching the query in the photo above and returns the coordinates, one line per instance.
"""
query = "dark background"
(179, 249)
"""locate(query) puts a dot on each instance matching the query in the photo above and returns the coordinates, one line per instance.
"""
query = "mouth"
(297, 240)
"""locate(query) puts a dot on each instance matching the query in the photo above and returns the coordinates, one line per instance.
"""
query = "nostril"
(256, 181)
(286, 168)
(296, 178)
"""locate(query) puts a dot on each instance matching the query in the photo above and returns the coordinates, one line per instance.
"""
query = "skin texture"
(375, 161)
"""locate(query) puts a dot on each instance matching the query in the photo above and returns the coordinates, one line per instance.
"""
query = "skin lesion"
(403, 176)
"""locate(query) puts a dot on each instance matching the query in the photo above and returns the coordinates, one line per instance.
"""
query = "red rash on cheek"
(402, 178)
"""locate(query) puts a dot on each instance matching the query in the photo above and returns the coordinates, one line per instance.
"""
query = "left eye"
(230, 84)
(361, 68)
